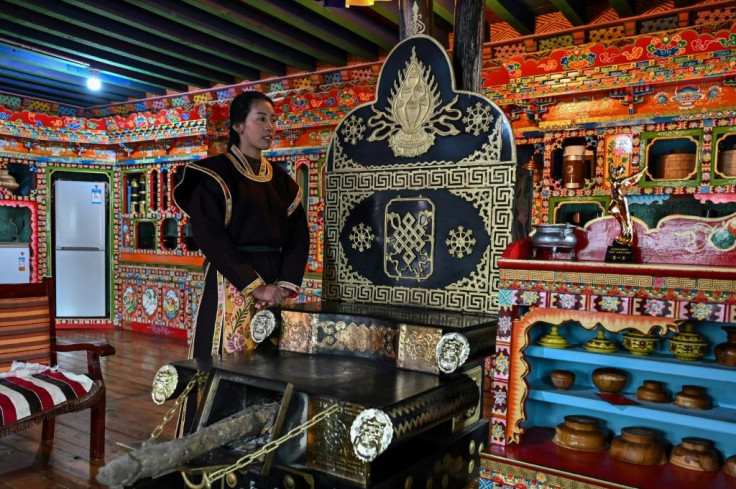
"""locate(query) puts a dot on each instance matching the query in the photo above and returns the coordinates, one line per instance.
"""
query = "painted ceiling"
(148, 48)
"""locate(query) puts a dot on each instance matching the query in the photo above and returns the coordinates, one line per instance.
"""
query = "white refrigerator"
(80, 254)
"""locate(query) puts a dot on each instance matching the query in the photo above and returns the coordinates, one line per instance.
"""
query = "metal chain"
(209, 477)
(179, 400)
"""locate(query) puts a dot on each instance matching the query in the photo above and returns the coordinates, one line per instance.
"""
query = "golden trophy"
(621, 251)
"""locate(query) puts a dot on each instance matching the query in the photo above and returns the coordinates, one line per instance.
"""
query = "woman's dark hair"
(239, 109)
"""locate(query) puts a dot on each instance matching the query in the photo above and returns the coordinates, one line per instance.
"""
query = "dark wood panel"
(131, 415)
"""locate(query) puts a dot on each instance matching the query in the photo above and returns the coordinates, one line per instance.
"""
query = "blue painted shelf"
(719, 419)
(655, 363)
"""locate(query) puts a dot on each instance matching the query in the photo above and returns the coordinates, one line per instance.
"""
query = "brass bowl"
(695, 454)
(562, 379)
(638, 446)
(693, 397)
(610, 380)
(580, 432)
(688, 345)
(639, 343)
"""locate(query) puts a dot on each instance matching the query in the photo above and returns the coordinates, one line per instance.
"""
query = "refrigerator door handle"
(79, 248)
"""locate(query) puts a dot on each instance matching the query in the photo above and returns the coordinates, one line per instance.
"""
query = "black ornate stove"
(380, 385)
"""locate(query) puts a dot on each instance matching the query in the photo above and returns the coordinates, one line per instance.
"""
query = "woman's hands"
(269, 296)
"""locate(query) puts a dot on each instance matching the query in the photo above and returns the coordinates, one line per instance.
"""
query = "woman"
(248, 220)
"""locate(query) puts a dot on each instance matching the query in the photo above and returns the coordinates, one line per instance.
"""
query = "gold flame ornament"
(415, 115)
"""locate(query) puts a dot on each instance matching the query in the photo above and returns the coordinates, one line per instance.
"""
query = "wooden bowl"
(695, 454)
(693, 397)
(652, 391)
(610, 380)
(729, 467)
(638, 446)
(562, 379)
(580, 432)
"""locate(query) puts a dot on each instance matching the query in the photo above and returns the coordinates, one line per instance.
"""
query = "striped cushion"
(24, 396)
(24, 331)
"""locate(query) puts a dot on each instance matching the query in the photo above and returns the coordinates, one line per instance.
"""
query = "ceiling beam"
(299, 19)
(201, 27)
(238, 17)
(445, 9)
(375, 32)
(69, 21)
(24, 60)
(153, 75)
(573, 10)
(156, 33)
(624, 8)
(46, 24)
(142, 71)
(515, 14)
(72, 101)
(13, 82)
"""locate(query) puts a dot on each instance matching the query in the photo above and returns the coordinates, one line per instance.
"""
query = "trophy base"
(620, 253)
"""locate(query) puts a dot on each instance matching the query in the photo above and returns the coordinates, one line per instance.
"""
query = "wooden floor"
(25, 463)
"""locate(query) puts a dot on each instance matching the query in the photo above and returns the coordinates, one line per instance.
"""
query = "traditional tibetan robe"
(248, 220)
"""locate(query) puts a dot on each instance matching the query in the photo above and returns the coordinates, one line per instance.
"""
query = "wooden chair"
(27, 333)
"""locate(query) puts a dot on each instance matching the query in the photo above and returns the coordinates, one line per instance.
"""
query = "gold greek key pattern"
(685, 283)
(546, 279)
(341, 281)
(490, 153)
(416, 348)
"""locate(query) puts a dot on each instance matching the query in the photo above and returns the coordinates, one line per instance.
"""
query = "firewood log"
(153, 459)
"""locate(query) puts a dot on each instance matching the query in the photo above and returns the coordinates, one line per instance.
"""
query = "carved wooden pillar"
(415, 17)
(468, 44)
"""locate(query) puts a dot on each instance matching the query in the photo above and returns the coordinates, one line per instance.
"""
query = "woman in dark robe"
(247, 219)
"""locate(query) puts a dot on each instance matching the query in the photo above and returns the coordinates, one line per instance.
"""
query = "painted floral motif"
(728, 42)
(567, 301)
(653, 307)
(514, 69)
(666, 46)
(529, 297)
(609, 303)
(578, 59)
(504, 325)
(499, 399)
(497, 431)
(701, 311)
(502, 363)
(235, 343)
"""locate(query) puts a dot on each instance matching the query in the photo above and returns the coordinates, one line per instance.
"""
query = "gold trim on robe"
(237, 158)
(295, 203)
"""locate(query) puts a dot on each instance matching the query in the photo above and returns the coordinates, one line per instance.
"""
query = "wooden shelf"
(539, 453)
(719, 419)
(654, 363)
